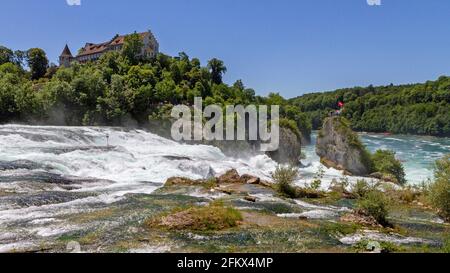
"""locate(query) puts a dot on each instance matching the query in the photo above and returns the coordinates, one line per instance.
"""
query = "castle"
(93, 52)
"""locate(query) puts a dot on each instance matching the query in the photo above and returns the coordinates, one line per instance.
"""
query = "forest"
(421, 109)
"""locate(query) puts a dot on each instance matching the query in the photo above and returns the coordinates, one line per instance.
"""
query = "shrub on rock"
(386, 164)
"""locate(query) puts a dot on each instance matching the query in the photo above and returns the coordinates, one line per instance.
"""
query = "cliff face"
(290, 150)
(339, 147)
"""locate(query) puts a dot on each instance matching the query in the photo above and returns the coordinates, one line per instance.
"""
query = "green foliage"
(132, 48)
(284, 177)
(440, 189)
(404, 109)
(38, 63)
(386, 163)
(361, 188)
(317, 182)
(217, 69)
(291, 125)
(301, 119)
(370, 246)
(6, 55)
(374, 204)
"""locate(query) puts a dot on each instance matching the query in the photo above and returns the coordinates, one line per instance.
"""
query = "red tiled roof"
(90, 48)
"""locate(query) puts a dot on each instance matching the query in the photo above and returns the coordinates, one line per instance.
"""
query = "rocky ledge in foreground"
(230, 213)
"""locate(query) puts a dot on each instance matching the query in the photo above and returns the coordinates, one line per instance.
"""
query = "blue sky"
(288, 46)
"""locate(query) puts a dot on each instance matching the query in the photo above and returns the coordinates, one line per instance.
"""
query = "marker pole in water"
(107, 140)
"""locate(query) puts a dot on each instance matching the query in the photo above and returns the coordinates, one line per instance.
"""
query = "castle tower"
(66, 57)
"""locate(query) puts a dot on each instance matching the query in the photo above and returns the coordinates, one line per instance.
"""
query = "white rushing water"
(132, 159)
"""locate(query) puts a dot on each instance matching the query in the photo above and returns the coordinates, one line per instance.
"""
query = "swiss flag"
(341, 104)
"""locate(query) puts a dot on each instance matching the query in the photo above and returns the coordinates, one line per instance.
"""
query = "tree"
(38, 63)
(132, 48)
(217, 69)
(275, 99)
(6, 55)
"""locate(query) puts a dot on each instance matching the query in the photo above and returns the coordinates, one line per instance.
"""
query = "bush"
(213, 217)
(376, 205)
(361, 188)
(284, 177)
(385, 162)
(291, 125)
(440, 189)
(317, 182)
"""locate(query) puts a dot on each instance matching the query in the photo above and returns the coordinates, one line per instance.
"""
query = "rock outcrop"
(339, 147)
(290, 149)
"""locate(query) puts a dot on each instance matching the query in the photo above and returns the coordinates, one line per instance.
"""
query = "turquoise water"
(418, 153)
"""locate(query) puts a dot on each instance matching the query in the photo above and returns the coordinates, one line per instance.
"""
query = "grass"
(96, 215)
(213, 217)
(90, 238)
(337, 228)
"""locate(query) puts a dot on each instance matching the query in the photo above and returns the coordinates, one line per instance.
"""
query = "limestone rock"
(340, 148)
(290, 149)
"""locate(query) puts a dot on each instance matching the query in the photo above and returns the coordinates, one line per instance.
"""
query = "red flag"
(341, 104)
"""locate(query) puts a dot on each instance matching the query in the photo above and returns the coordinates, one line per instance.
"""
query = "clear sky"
(287, 46)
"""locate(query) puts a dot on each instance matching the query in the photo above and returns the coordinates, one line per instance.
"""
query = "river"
(48, 174)
(417, 153)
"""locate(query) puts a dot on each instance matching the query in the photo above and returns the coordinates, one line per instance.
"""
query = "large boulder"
(290, 149)
(340, 148)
